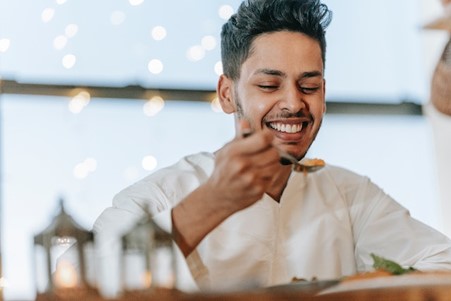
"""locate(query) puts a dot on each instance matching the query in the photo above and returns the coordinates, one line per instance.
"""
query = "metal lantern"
(64, 258)
(148, 260)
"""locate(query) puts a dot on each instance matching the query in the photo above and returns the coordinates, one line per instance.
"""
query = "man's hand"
(244, 170)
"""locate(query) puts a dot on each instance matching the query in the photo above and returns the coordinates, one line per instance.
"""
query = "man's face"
(281, 88)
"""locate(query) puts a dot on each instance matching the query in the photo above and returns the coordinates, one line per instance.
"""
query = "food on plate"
(382, 268)
(296, 279)
(390, 266)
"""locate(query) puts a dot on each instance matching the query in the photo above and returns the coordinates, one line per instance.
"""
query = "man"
(239, 215)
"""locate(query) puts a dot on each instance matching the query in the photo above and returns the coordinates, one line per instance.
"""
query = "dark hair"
(255, 17)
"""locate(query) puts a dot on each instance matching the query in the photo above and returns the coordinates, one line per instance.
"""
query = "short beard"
(239, 114)
(239, 108)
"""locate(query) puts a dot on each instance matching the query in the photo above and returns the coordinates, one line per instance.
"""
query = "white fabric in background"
(441, 127)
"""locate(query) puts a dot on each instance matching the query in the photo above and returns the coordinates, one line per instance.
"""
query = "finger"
(266, 157)
(244, 128)
(258, 141)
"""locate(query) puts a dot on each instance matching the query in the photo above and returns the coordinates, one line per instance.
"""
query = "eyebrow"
(274, 72)
(309, 74)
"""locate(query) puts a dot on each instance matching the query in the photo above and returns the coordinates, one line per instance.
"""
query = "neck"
(279, 182)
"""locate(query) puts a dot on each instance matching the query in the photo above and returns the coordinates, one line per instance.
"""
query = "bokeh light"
(71, 30)
(225, 11)
(153, 106)
(195, 53)
(149, 163)
(158, 33)
(155, 66)
(69, 61)
(117, 17)
(208, 42)
(4, 44)
(60, 42)
(47, 14)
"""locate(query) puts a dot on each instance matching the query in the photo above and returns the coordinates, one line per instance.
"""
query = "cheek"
(257, 110)
(254, 106)
(261, 108)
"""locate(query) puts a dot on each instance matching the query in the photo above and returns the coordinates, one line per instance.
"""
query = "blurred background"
(98, 94)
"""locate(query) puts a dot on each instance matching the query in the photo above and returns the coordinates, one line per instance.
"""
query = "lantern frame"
(62, 227)
(146, 237)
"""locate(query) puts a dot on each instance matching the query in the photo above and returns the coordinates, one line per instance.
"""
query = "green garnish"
(390, 266)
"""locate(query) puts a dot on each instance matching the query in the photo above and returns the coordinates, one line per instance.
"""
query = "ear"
(225, 94)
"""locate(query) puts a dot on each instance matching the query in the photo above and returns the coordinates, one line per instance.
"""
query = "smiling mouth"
(287, 127)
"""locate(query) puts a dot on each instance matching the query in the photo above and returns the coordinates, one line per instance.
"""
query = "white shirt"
(326, 225)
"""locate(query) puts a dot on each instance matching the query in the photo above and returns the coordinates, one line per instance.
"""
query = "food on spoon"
(313, 162)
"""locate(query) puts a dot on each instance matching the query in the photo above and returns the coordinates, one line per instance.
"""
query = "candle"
(147, 279)
(65, 275)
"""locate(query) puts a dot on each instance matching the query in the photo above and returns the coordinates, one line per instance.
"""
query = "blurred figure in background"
(439, 113)
(441, 80)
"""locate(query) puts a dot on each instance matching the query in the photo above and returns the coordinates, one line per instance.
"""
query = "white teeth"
(286, 128)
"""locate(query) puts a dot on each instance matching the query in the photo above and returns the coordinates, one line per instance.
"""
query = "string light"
(4, 45)
(218, 68)
(195, 53)
(117, 17)
(135, 2)
(155, 66)
(225, 11)
(71, 30)
(149, 162)
(60, 42)
(83, 169)
(158, 33)
(79, 102)
(69, 61)
(208, 42)
(153, 106)
(47, 15)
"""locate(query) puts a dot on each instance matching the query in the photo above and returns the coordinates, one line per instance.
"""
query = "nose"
(293, 100)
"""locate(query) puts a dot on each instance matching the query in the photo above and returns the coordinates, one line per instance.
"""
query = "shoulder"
(341, 175)
(350, 186)
(175, 181)
(196, 166)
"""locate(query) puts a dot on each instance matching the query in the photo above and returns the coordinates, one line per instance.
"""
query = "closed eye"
(268, 87)
(308, 90)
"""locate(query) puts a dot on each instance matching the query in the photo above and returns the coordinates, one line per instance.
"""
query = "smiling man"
(238, 215)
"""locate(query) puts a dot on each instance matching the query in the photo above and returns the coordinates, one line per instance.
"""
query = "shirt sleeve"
(385, 228)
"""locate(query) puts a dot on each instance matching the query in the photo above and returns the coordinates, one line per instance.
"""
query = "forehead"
(285, 50)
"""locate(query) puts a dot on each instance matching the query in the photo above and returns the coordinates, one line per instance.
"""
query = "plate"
(406, 280)
(308, 287)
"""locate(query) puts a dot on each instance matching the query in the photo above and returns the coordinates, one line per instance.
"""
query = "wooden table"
(411, 293)
(408, 293)
(419, 287)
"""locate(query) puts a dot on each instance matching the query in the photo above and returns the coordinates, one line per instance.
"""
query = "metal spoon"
(287, 159)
